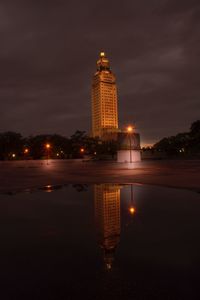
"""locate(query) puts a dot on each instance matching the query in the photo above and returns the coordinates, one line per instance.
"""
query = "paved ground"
(22, 175)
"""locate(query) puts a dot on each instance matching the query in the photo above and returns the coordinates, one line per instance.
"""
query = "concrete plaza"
(33, 174)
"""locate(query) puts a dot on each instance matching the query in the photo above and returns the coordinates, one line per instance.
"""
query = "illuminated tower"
(104, 99)
(107, 217)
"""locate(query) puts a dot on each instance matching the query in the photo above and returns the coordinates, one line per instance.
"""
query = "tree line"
(186, 143)
(14, 146)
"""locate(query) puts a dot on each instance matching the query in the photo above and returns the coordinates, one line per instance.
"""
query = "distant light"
(132, 210)
(102, 54)
(49, 188)
(57, 154)
(95, 153)
(48, 146)
(129, 128)
(13, 155)
(26, 150)
(108, 266)
(82, 150)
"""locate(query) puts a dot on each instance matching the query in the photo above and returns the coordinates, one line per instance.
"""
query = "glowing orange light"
(57, 154)
(49, 188)
(13, 155)
(102, 54)
(48, 146)
(26, 150)
(82, 150)
(132, 210)
(129, 128)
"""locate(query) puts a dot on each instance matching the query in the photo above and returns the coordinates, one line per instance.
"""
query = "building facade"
(104, 100)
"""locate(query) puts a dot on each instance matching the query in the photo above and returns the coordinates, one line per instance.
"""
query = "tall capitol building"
(105, 114)
(104, 99)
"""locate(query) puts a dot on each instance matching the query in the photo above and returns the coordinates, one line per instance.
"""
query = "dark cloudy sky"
(48, 52)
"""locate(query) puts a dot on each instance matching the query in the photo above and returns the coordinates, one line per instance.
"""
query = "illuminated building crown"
(103, 63)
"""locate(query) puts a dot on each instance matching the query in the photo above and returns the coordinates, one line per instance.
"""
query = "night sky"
(48, 53)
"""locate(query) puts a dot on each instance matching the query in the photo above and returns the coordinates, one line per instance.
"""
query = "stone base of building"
(124, 156)
(109, 134)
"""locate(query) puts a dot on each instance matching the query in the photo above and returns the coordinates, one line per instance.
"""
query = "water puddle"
(100, 241)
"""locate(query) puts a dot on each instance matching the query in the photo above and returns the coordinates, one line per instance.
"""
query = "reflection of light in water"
(107, 216)
(132, 210)
(49, 188)
(50, 165)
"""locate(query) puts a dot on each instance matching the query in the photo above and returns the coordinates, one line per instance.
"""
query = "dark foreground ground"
(22, 175)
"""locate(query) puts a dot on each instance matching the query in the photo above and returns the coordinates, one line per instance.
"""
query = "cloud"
(49, 50)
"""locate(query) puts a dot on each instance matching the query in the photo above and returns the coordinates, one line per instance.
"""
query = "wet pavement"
(19, 175)
(100, 241)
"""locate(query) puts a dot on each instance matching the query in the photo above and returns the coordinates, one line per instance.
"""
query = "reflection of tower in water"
(107, 216)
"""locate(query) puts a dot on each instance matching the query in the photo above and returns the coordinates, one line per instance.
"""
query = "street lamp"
(48, 146)
(82, 150)
(26, 150)
(132, 210)
(130, 130)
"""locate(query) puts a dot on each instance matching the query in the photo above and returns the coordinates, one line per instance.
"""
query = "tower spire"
(103, 63)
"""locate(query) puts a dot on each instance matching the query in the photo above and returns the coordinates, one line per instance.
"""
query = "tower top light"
(103, 62)
(102, 54)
